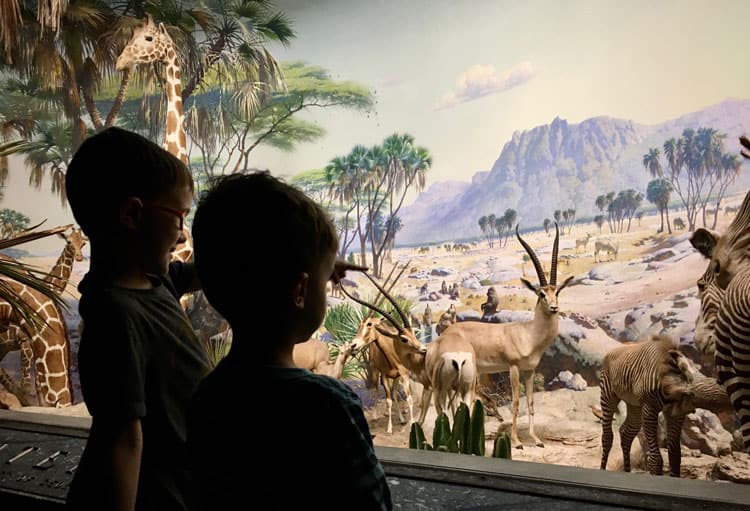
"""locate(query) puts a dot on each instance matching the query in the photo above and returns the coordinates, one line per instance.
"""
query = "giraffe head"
(76, 240)
(150, 43)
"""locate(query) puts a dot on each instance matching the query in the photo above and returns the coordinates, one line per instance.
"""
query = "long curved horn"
(390, 299)
(534, 259)
(553, 268)
(374, 308)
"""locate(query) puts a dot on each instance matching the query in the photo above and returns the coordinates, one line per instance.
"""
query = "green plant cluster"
(466, 437)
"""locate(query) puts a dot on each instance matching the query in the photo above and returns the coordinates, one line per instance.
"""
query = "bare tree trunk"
(669, 226)
(119, 99)
(661, 211)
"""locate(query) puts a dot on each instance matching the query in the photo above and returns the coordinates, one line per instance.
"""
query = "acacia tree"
(547, 224)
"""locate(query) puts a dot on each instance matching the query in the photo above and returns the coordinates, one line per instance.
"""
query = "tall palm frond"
(12, 270)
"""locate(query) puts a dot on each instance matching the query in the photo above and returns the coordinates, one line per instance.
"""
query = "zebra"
(645, 375)
(710, 296)
(678, 224)
(729, 256)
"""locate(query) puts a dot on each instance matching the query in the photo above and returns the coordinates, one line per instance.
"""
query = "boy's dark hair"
(252, 235)
(115, 164)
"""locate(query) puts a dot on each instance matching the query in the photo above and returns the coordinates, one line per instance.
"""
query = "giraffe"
(47, 342)
(151, 43)
(58, 281)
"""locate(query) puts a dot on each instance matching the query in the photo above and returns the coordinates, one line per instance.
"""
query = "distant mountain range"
(560, 166)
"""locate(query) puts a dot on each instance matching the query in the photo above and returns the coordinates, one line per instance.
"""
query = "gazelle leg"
(406, 383)
(389, 403)
(515, 388)
(426, 397)
(530, 403)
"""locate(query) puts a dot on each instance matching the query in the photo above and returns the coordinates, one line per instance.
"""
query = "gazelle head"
(371, 328)
(546, 293)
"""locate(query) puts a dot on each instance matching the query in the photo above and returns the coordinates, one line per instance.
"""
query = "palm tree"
(509, 219)
(491, 227)
(547, 224)
(657, 193)
(12, 222)
(483, 223)
(651, 162)
(599, 221)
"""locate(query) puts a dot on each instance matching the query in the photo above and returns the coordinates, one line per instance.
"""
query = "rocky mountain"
(560, 166)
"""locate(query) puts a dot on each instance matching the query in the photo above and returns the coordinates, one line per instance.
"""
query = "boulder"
(735, 468)
(9, 401)
(442, 272)
(703, 432)
(471, 283)
(568, 380)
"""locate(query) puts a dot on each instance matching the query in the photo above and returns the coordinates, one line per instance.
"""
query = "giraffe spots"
(170, 53)
(171, 122)
(55, 363)
(177, 89)
(177, 74)
(170, 73)
(183, 142)
(172, 147)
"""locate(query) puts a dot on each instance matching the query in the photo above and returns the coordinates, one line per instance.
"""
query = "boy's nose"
(183, 237)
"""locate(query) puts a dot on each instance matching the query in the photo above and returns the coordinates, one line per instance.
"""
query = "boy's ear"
(131, 209)
(299, 290)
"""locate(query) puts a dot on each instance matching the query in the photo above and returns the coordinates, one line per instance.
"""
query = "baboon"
(678, 224)
(490, 306)
(452, 311)
(444, 323)
(443, 288)
(427, 316)
(423, 289)
(454, 291)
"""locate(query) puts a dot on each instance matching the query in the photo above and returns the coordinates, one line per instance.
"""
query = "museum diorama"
(551, 198)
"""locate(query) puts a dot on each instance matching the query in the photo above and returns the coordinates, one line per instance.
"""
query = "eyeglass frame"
(181, 215)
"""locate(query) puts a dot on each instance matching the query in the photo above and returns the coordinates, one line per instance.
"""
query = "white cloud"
(482, 80)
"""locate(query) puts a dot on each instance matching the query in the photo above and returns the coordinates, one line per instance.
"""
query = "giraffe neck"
(60, 273)
(175, 140)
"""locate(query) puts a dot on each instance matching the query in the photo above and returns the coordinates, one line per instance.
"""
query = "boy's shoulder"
(300, 384)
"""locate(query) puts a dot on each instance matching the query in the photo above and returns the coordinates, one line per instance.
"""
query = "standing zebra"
(645, 375)
(730, 265)
(710, 296)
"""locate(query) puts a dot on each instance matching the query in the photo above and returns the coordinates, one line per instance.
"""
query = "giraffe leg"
(628, 431)
(515, 384)
(27, 357)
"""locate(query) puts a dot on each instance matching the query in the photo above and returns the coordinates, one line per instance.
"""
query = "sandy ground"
(564, 420)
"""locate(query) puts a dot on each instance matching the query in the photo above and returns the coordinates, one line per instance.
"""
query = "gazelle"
(314, 356)
(394, 351)
(514, 347)
(606, 246)
(582, 242)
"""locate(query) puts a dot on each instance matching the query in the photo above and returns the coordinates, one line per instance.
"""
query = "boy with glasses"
(139, 359)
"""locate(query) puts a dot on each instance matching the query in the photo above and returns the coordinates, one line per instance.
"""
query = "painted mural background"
(430, 129)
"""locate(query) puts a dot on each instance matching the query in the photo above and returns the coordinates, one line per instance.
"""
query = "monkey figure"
(427, 316)
(454, 291)
(490, 306)
(452, 312)
(443, 288)
(423, 289)
(444, 323)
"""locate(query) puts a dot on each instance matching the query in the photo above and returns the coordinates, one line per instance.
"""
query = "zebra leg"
(650, 423)
(674, 431)
(530, 404)
(608, 404)
(515, 384)
(628, 430)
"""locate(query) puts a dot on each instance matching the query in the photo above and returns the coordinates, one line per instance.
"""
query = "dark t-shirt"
(280, 438)
(140, 358)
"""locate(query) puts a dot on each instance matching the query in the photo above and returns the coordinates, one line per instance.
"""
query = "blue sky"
(463, 76)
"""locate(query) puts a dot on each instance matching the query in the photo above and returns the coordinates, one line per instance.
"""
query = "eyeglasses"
(179, 214)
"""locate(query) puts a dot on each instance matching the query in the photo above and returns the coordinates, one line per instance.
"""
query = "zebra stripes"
(710, 295)
(730, 267)
(646, 375)
(733, 348)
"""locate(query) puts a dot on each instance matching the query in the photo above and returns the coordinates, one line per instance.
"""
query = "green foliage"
(460, 436)
(441, 435)
(12, 222)
(476, 429)
(485, 282)
(350, 258)
(467, 436)
(502, 448)
(416, 437)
